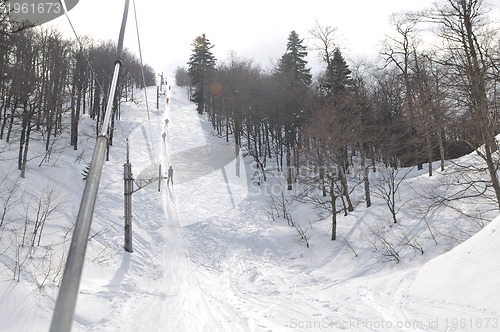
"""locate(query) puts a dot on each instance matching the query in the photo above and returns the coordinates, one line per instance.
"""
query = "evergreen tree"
(293, 63)
(336, 82)
(201, 67)
(293, 79)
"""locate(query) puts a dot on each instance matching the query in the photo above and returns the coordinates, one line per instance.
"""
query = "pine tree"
(293, 63)
(336, 80)
(293, 78)
(201, 67)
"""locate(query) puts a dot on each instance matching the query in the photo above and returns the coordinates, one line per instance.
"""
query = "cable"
(64, 310)
(144, 79)
(63, 4)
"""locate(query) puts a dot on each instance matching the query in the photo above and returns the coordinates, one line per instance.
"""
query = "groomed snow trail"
(189, 307)
(178, 302)
(157, 287)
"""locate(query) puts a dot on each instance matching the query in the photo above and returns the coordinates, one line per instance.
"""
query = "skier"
(170, 175)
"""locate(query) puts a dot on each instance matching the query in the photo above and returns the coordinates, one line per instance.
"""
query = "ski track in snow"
(175, 300)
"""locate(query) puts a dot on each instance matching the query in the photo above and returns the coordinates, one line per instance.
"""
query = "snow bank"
(467, 276)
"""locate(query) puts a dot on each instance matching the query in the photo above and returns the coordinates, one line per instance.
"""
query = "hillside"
(210, 255)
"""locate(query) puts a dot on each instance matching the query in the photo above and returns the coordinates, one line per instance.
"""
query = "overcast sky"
(257, 30)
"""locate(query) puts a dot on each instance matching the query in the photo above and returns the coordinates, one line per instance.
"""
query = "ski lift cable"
(143, 79)
(64, 310)
(78, 39)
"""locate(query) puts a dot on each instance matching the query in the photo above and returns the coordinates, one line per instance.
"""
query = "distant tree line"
(48, 82)
(422, 102)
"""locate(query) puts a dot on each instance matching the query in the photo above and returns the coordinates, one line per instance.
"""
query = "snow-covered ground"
(208, 256)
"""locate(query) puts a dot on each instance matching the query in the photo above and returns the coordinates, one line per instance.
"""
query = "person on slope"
(170, 175)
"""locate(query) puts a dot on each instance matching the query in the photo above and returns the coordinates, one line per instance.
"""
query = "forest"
(432, 96)
(48, 82)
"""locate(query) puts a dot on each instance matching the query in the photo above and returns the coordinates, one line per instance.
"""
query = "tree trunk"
(288, 166)
(345, 188)
(492, 168)
(333, 202)
(22, 139)
(428, 140)
(72, 109)
(26, 148)
(441, 147)
(366, 181)
(5, 115)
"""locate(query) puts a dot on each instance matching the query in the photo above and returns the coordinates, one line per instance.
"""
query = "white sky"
(258, 30)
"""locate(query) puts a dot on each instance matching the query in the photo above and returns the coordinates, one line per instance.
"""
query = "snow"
(458, 282)
(208, 256)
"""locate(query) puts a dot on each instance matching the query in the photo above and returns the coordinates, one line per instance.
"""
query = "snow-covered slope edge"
(463, 284)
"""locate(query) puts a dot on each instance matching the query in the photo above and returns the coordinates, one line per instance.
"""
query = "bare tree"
(398, 51)
(386, 187)
(47, 203)
(321, 176)
(282, 206)
(467, 38)
(21, 256)
(462, 190)
(10, 198)
(325, 42)
(381, 241)
(430, 105)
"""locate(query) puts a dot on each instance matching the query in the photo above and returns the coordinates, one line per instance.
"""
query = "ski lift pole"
(128, 189)
(64, 311)
(157, 97)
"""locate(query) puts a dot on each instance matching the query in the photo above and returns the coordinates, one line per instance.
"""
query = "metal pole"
(128, 206)
(64, 311)
(160, 176)
(161, 81)
(128, 189)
